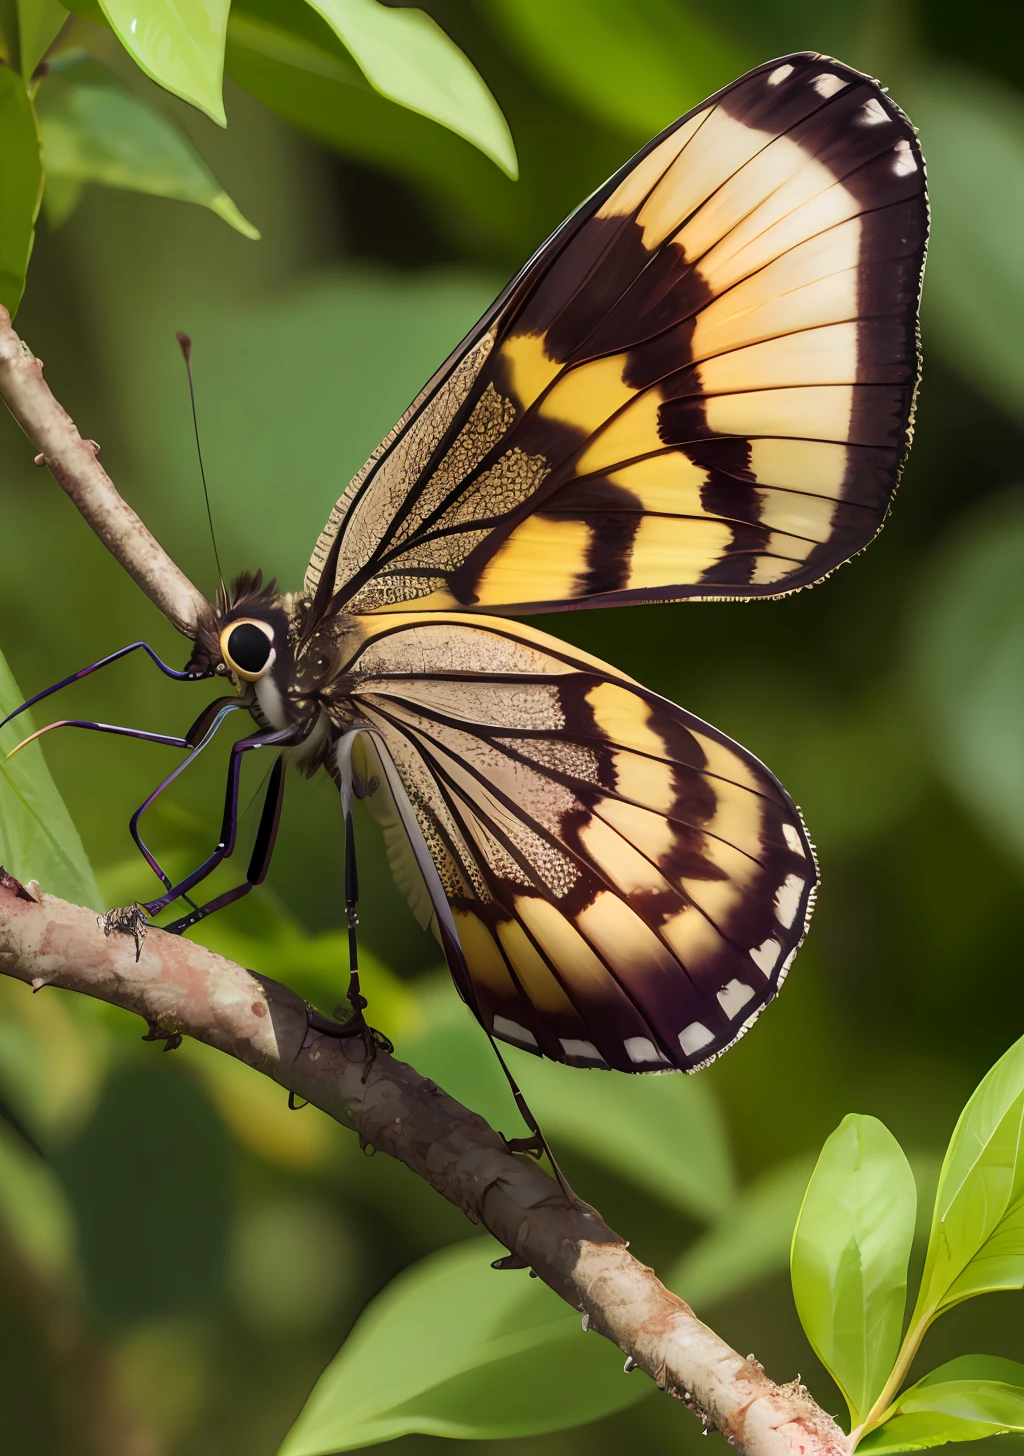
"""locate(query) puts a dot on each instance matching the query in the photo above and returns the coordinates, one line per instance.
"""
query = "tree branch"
(74, 465)
(182, 989)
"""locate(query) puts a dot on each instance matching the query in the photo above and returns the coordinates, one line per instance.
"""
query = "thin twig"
(182, 989)
(74, 464)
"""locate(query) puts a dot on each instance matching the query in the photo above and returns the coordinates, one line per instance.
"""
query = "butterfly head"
(284, 667)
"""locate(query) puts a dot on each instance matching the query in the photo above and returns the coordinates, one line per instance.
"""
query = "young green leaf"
(21, 185)
(849, 1258)
(37, 838)
(178, 43)
(977, 1236)
(406, 56)
(95, 130)
(454, 1348)
(964, 1400)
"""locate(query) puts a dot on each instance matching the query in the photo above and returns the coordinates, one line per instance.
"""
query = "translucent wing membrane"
(702, 385)
(628, 885)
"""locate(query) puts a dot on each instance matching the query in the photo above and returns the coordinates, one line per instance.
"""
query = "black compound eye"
(248, 649)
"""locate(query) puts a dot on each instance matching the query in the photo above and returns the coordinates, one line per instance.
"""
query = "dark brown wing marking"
(702, 384)
(628, 886)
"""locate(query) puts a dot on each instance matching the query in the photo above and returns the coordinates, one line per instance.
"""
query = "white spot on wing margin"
(734, 996)
(787, 899)
(905, 162)
(504, 1027)
(766, 956)
(640, 1049)
(695, 1036)
(872, 113)
(581, 1049)
(827, 85)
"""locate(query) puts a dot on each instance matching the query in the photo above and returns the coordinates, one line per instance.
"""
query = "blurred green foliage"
(451, 1350)
(179, 1295)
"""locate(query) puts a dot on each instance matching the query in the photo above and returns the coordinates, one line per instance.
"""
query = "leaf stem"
(904, 1360)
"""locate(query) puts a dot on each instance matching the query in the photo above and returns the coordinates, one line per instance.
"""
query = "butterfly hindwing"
(627, 885)
(701, 385)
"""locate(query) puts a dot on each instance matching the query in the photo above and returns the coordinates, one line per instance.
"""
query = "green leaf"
(964, 1400)
(39, 24)
(301, 71)
(21, 185)
(977, 1236)
(751, 1242)
(967, 647)
(29, 27)
(665, 1134)
(179, 44)
(849, 1259)
(95, 130)
(34, 1210)
(37, 838)
(153, 1144)
(454, 1348)
(406, 56)
(637, 66)
(972, 133)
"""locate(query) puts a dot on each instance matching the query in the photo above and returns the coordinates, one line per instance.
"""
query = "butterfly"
(700, 387)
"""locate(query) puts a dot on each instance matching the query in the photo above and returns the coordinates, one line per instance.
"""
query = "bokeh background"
(180, 1255)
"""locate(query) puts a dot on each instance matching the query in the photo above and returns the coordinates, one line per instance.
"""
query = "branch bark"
(181, 989)
(76, 469)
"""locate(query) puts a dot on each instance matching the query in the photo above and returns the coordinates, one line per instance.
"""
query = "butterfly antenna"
(185, 344)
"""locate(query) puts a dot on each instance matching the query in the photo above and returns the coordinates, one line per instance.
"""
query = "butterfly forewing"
(702, 385)
(627, 885)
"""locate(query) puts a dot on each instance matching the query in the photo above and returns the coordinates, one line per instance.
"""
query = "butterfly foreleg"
(265, 836)
(197, 738)
(259, 863)
(172, 672)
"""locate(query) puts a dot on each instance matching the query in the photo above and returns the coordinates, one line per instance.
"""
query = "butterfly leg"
(228, 834)
(168, 671)
(198, 736)
(133, 919)
(262, 853)
(536, 1144)
(355, 1024)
